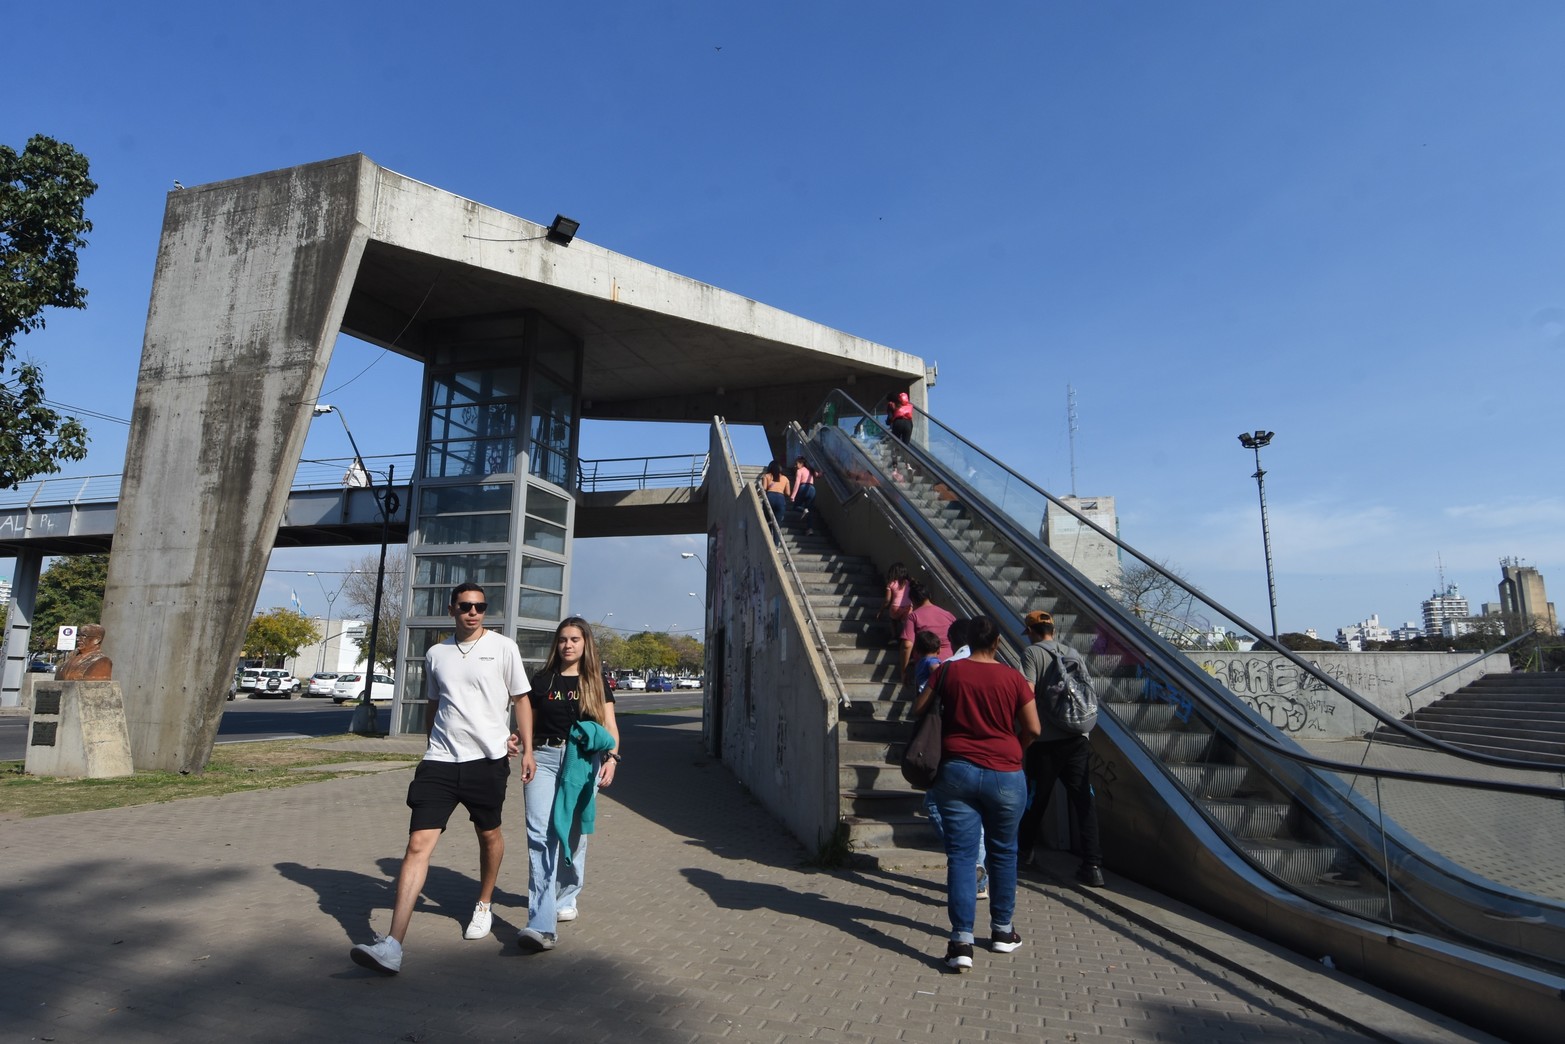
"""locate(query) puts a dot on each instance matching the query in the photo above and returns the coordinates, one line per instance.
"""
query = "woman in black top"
(569, 689)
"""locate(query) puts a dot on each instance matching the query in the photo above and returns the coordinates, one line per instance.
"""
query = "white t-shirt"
(473, 717)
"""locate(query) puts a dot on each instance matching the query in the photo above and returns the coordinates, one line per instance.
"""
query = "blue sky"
(1340, 221)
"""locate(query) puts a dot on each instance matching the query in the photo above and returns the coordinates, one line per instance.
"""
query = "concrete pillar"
(19, 625)
(252, 280)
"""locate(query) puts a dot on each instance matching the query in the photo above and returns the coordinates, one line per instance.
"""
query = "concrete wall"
(771, 713)
(1297, 703)
(251, 282)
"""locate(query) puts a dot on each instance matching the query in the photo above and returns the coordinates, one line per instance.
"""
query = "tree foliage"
(359, 590)
(279, 635)
(1298, 641)
(70, 593)
(43, 190)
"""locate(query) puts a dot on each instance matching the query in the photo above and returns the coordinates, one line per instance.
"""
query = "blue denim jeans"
(552, 882)
(979, 803)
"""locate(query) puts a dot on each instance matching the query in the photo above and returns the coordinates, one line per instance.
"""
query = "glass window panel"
(538, 573)
(546, 505)
(445, 500)
(421, 639)
(436, 601)
(538, 605)
(415, 718)
(459, 459)
(541, 535)
(485, 568)
(535, 645)
(552, 416)
(471, 386)
(465, 529)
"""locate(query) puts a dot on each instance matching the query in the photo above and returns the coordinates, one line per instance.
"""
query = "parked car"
(608, 680)
(40, 667)
(660, 683)
(636, 685)
(273, 681)
(350, 687)
(321, 683)
(688, 683)
(248, 679)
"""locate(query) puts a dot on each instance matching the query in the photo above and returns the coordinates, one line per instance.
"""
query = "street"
(246, 720)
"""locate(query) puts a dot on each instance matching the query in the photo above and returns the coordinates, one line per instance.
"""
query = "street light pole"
(364, 716)
(330, 599)
(1254, 441)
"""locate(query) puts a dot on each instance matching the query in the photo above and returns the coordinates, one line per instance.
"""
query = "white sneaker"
(383, 955)
(566, 913)
(478, 927)
(535, 941)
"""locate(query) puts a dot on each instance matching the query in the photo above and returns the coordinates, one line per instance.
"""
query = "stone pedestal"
(77, 728)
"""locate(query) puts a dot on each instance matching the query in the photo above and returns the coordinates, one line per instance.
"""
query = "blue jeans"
(973, 800)
(552, 882)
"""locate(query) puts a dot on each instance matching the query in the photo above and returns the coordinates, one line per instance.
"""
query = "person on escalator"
(899, 416)
(1057, 755)
(896, 606)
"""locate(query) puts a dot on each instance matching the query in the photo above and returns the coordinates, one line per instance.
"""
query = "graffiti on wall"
(1292, 699)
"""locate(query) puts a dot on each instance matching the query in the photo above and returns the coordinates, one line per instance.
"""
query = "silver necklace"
(470, 646)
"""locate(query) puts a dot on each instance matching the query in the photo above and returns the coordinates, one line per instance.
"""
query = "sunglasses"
(472, 607)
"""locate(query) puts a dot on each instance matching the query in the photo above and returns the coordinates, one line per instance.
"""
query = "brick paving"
(230, 919)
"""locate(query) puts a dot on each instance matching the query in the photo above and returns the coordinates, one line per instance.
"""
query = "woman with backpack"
(987, 718)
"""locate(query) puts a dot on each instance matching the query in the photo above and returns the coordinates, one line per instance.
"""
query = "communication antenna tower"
(1070, 425)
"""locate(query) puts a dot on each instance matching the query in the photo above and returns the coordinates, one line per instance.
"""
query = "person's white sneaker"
(566, 913)
(533, 940)
(478, 927)
(383, 955)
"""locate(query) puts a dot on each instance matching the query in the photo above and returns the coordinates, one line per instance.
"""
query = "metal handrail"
(1457, 670)
(105, 489)
(602, 475)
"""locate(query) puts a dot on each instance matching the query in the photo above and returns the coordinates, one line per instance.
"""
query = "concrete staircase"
(1511, 715)
(882, 813)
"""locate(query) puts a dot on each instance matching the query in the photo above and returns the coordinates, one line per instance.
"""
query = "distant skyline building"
(1522, 594)
(1354, 636)
(1089, 551)
(1446, 608)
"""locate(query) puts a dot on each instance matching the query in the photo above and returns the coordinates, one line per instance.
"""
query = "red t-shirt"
(979, 702)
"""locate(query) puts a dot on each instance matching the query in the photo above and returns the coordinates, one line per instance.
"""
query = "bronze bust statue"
(88, 662)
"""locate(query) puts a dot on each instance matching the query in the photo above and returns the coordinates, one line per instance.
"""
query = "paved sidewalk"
(231, 918)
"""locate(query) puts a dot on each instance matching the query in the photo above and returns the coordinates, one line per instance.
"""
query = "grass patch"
(233, 769)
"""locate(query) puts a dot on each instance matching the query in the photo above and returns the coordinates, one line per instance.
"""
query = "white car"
(637, 685)
(275, 682)
(688, 683)
(321, 683)
(350, 687)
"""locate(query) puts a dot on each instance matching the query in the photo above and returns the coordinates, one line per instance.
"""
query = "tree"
(689, 654)
(42, 222)
(1297, 641)
(646, 651)
(70, 593)
(359, 590)
(611, 648)
(1161, 597)
(279, 635)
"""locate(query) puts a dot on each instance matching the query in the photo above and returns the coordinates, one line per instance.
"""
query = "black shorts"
(439, 786)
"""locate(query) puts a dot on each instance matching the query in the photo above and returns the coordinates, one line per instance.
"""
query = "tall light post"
(1254, 441)
(330, 598)
(364, 716)
(692, 554)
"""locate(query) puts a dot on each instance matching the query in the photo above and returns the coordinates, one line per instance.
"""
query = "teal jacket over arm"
(575, 808)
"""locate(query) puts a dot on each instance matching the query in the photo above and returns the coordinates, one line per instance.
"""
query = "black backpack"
(1066, 698)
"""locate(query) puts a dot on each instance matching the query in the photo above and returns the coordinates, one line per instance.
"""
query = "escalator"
(1431, 870)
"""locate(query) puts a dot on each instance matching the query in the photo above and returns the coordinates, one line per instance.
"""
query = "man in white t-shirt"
(473, 680)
